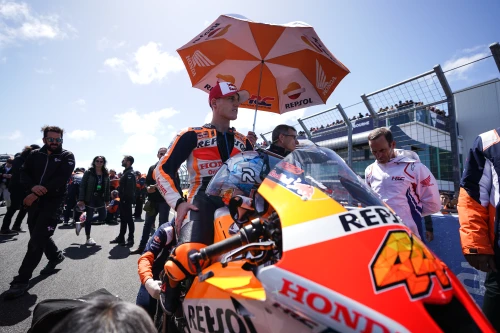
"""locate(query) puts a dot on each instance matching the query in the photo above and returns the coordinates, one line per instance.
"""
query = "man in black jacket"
(127, 196)
(284, 140)
(157, 205)
(17, 194)
(44, 175)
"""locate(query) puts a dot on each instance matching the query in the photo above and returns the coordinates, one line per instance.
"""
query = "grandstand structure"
(423, 113)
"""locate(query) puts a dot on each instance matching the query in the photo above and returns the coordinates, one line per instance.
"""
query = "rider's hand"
(28, 201)
(429, 236)
(182, 210)
(39, 190)
(252, 137)
(482, 262)
(153, 287)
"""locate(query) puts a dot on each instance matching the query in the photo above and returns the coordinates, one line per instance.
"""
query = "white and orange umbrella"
(283, 67)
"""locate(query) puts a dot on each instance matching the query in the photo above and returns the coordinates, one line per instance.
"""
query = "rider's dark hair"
(46, 129)
(105, 315)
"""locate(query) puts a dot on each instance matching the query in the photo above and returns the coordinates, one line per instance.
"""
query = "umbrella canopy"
(283, 67)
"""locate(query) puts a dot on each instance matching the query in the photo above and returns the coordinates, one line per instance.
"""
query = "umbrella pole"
(258, 96)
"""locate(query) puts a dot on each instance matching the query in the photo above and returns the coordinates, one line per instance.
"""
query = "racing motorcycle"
(315, 250)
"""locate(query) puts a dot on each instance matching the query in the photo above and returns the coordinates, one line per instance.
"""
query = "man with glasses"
(44, 175)
(127, 196)
(156, 205)
(284, 140)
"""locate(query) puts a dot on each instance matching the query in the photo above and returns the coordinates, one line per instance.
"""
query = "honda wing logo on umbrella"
(321, 82)
(198, 59)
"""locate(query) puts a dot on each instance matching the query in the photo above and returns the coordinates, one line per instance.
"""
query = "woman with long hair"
(94, 194)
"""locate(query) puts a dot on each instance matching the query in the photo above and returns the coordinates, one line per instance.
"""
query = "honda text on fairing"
(315, 250)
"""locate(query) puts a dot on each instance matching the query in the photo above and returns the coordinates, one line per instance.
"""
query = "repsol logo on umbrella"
(298, 103)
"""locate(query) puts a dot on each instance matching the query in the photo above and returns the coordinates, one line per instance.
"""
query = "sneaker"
(90, 242)
(129, 243)
(18, 229)
(8, 232)
(138, 250)
(117, 240)
(51, 265)
(16, 290)
(78, 227)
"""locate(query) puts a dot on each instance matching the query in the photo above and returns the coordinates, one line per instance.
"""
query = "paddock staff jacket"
(205, 150)
(127, 186)
(407, 186)
(51, 171)
(479, 199)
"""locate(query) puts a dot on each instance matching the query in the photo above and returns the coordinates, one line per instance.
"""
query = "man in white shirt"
(401, 181)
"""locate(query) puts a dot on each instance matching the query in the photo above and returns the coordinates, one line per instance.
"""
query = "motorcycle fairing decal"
(324, 305)
(339, 225)
(404, 261)
(292, 209)
(231, 280)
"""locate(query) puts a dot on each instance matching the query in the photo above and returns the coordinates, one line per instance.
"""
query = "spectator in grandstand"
(401, 181)
(127, 196)
(156, 205)
(479, 216)
(94, 194)
(284, 140)
(104, 314)
(17, 194)
(360, 115)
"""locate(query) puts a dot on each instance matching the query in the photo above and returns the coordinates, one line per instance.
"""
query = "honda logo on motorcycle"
(404, 260)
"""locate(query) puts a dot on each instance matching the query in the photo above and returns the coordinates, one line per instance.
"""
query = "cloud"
(3, 60)
(43, 71)
(143, 130)
(81, 135)
(80, 102)
(149, 63)
(104, 44)
(19, 22)
(461, 58)
(266, 121)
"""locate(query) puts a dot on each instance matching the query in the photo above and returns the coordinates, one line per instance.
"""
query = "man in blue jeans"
(157, 205)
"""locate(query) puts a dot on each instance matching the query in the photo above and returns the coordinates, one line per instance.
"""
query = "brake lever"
(262, 246)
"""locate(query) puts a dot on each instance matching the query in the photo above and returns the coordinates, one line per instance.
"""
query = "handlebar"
(247, 234)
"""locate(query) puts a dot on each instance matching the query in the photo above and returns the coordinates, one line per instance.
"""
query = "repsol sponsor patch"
(370, 217)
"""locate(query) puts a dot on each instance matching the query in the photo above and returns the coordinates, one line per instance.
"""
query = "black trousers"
(126, 220)
(42, 221)
(139, 203)
(491, 303)
(16, 204)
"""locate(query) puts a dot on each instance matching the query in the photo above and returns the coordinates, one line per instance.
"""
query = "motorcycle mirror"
(260, 204)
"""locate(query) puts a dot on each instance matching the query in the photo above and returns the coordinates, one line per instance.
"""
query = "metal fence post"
(495, 51)
(369, 106)
(308, 133)
(453, 127)
(349, 134)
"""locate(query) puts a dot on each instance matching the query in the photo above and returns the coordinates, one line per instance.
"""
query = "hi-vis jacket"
(204, 150)
(479, 200)
(407, 186)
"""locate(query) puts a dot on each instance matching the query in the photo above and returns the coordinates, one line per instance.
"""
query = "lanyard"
(227, 146)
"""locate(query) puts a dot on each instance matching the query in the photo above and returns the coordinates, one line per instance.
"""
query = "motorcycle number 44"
(404, 260)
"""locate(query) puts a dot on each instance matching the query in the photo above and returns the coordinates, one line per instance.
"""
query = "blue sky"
(108, 73)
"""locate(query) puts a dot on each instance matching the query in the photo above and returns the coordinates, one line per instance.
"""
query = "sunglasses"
(99, 161)
(294, 136)
(52, 140)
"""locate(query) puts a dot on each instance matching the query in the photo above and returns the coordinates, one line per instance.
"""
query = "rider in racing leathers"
(205, 149)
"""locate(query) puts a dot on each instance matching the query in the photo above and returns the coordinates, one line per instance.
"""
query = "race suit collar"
(210, 126)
